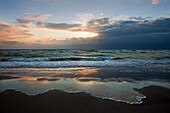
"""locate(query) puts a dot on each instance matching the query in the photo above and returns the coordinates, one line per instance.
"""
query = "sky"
(84, 24)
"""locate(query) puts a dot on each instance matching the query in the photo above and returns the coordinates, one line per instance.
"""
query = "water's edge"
(139, 98)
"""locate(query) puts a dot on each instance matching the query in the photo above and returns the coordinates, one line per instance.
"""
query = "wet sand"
(4, 77)
(56, 101)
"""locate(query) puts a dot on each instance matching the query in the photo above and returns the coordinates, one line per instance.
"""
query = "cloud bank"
(113, 33)
(129, 34)
(11, 32)
(57, 26)
(30, 19)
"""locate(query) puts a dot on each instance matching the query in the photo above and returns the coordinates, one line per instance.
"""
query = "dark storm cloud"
(147, 34)
(133, 28)
(57, 26)
(143, 33)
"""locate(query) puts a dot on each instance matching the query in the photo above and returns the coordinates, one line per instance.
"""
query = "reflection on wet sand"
(102, 82)
(86, 79)
(5, 77)
(94, 74)
(85, 74)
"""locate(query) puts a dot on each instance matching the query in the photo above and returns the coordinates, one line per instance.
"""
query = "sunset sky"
(84, 24)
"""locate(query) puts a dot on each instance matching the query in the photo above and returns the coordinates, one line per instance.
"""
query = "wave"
(95, 64)
(161, 57)
(58, 59)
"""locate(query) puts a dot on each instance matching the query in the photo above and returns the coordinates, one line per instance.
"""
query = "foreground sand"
(55, 101)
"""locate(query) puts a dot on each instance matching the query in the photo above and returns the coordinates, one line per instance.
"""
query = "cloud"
(27, 12)
(12, 45)
(57, 26)
(133, 27)
(156, 2)
(82, 18)
(102, 21)
(30, 19)
(146, 34)
(97, 25)
(132, 33)
(10, 42)
(36, 17)
(139, 18)
(92, 24)
(23, 22)
(10, 32)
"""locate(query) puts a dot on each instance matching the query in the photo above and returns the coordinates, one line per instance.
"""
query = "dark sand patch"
(4, 77)
(55, 101)
(87, 79)
(43, 79)
(155, 94)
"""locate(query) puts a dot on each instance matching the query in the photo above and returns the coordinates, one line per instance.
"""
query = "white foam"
(138, 98)
(98, 64)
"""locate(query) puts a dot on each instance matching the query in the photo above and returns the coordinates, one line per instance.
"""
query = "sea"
(107, 74)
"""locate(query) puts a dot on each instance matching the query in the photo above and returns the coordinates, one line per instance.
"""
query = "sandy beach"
(50, 83)
(84, 56)
(56, 101)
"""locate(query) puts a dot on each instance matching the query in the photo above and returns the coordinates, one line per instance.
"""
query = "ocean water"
(109, 74)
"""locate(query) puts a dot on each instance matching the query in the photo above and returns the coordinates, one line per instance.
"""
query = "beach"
(84, 56)
(56, 101)
(84, 81)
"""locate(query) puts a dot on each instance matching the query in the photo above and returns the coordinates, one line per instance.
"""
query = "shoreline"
(157, 101)
(139, 98)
